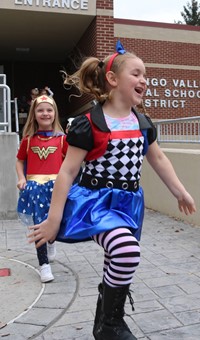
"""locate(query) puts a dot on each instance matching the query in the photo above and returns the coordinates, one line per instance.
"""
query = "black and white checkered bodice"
(122, 159)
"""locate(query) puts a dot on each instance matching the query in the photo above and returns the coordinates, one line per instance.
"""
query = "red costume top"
(95, 133)
(43, 155)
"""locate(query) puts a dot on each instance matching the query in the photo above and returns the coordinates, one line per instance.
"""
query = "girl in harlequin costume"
(107, 205)
(41, 151)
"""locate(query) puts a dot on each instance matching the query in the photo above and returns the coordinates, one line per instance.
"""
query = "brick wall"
(98, 41)
(164, 52)
(105, 36)
(171, 55)
(104, 4)
(170, 52)
(172, 93)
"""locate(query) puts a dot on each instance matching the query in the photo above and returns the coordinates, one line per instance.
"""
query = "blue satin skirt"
(89, 212)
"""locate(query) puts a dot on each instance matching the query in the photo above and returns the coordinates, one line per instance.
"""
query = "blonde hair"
(142, 109)
(91, 76)
(31, 126)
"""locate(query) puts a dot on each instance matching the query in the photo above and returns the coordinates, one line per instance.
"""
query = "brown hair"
(142, 109)
(90, 78)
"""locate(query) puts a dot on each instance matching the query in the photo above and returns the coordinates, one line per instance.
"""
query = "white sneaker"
(51, 251)
(45, 273)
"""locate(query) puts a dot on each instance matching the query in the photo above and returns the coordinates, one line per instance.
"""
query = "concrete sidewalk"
(166, 289)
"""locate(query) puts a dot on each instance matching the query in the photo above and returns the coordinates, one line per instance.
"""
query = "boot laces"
(131, 301)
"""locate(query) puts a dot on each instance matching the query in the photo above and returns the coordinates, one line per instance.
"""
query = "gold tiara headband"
(43, 99)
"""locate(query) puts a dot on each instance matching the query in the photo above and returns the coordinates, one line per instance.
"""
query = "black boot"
(98, 308)
(111, 325)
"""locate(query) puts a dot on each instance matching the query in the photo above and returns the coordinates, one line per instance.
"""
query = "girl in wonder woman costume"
(107, 205)
(42, 151)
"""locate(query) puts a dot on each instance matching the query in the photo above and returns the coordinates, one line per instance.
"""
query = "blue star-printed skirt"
(35, 200)
(90, 212)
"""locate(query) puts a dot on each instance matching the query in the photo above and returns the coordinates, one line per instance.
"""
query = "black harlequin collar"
(98, 118)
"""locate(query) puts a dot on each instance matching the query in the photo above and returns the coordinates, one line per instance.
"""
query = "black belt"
(99, 183)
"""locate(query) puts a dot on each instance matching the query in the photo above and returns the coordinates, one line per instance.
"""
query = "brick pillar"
(105, 42)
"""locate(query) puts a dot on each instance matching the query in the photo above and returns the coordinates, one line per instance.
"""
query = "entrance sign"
(68, 4)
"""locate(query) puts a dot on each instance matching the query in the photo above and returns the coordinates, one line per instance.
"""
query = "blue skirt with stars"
(35, 201)
(89, 212)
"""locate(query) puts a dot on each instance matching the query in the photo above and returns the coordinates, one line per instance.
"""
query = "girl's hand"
(42, 233)
(21, 184)
(186, 204)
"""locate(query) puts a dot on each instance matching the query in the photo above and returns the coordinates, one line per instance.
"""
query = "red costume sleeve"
(22, 152)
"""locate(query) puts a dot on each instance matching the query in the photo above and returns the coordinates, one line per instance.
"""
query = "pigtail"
(89, 79)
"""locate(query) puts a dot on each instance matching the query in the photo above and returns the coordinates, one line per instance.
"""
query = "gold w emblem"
(43, 152)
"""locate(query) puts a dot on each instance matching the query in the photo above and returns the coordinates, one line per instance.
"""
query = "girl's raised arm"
(163, 167)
